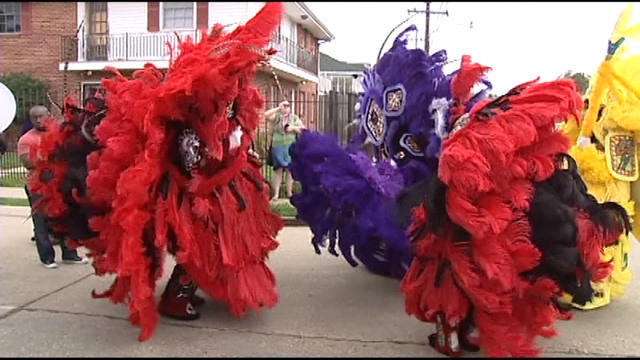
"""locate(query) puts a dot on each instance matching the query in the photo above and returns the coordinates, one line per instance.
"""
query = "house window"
(178, 15)
(312, 111)
(90, 89)
(98, 31)
(10, 20)
(97, 14)
(302, 105)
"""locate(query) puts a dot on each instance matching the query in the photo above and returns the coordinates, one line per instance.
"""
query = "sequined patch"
(394, 100)
(460, 124)
(375, 123)
(622, 159)
(231, 110)
(190, 148)
(409, 143)
(384, 153)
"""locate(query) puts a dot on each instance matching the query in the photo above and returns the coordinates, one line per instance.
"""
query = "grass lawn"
(284, 210)
(268, 174)
(14, 202)
(9, 160)
(12, 181)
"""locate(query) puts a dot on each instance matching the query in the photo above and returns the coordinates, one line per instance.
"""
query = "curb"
(19, 211)
(12, 192)
(9, 210)
(291, 221)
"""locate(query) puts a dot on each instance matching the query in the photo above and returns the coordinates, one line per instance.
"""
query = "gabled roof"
(327, 63)
(302, 15)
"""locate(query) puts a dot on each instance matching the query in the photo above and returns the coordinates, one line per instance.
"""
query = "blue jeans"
(43, 242)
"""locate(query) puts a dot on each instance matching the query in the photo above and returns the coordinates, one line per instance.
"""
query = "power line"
(431, 32)
(427, 13)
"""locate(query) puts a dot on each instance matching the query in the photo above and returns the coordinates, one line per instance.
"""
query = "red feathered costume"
(480, 254)
(60, 170)
(173, 174)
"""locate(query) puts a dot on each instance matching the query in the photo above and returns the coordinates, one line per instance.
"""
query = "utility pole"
(426, 28)
(427, 12)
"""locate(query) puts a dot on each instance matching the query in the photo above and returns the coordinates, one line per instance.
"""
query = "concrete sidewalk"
(326, 309)
(13, 192)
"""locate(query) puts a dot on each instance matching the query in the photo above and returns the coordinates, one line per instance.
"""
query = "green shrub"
(28, 92)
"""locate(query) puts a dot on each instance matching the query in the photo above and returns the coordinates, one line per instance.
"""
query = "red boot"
(445, 340)
(469, 335)
(195, 299)
(176, 300)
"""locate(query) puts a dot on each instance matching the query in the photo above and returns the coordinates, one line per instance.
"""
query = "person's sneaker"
(76, 260)
(50, 265)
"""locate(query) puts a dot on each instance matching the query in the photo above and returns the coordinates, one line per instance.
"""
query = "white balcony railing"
(153, 46)
(124, 47)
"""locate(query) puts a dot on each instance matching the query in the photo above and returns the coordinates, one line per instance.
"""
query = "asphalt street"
(327, 308)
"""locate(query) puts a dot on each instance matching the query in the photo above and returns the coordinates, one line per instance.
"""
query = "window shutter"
(25, 18)
(202, 15)
(153, 16)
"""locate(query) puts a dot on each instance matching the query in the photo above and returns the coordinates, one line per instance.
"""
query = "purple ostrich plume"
(355, 201)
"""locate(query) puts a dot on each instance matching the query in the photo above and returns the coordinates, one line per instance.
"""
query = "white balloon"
(7, 107)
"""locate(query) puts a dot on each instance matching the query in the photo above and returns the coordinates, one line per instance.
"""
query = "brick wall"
(307, 91)
(264, 80)
(36, 50)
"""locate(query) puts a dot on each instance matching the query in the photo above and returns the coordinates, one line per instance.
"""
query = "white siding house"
(126, 17)
(125, 40)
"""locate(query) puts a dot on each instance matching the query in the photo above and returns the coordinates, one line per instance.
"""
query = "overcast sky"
(520, 41)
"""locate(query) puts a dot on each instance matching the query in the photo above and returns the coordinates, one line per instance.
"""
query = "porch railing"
(292, 53)
(153, 46)
(123, 47)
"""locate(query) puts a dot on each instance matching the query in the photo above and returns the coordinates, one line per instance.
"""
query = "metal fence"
(330, 113)
(12, 173)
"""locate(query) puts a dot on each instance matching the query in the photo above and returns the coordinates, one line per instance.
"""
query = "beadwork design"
(190, 148)
(375, 123)
(394, 100)
(622, 149)
(409, 143)
(460, 124)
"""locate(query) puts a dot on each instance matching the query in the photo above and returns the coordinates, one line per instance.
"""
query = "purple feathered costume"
(350, 198)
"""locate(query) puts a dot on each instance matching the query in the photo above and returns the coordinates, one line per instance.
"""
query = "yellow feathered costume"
(607, 150)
